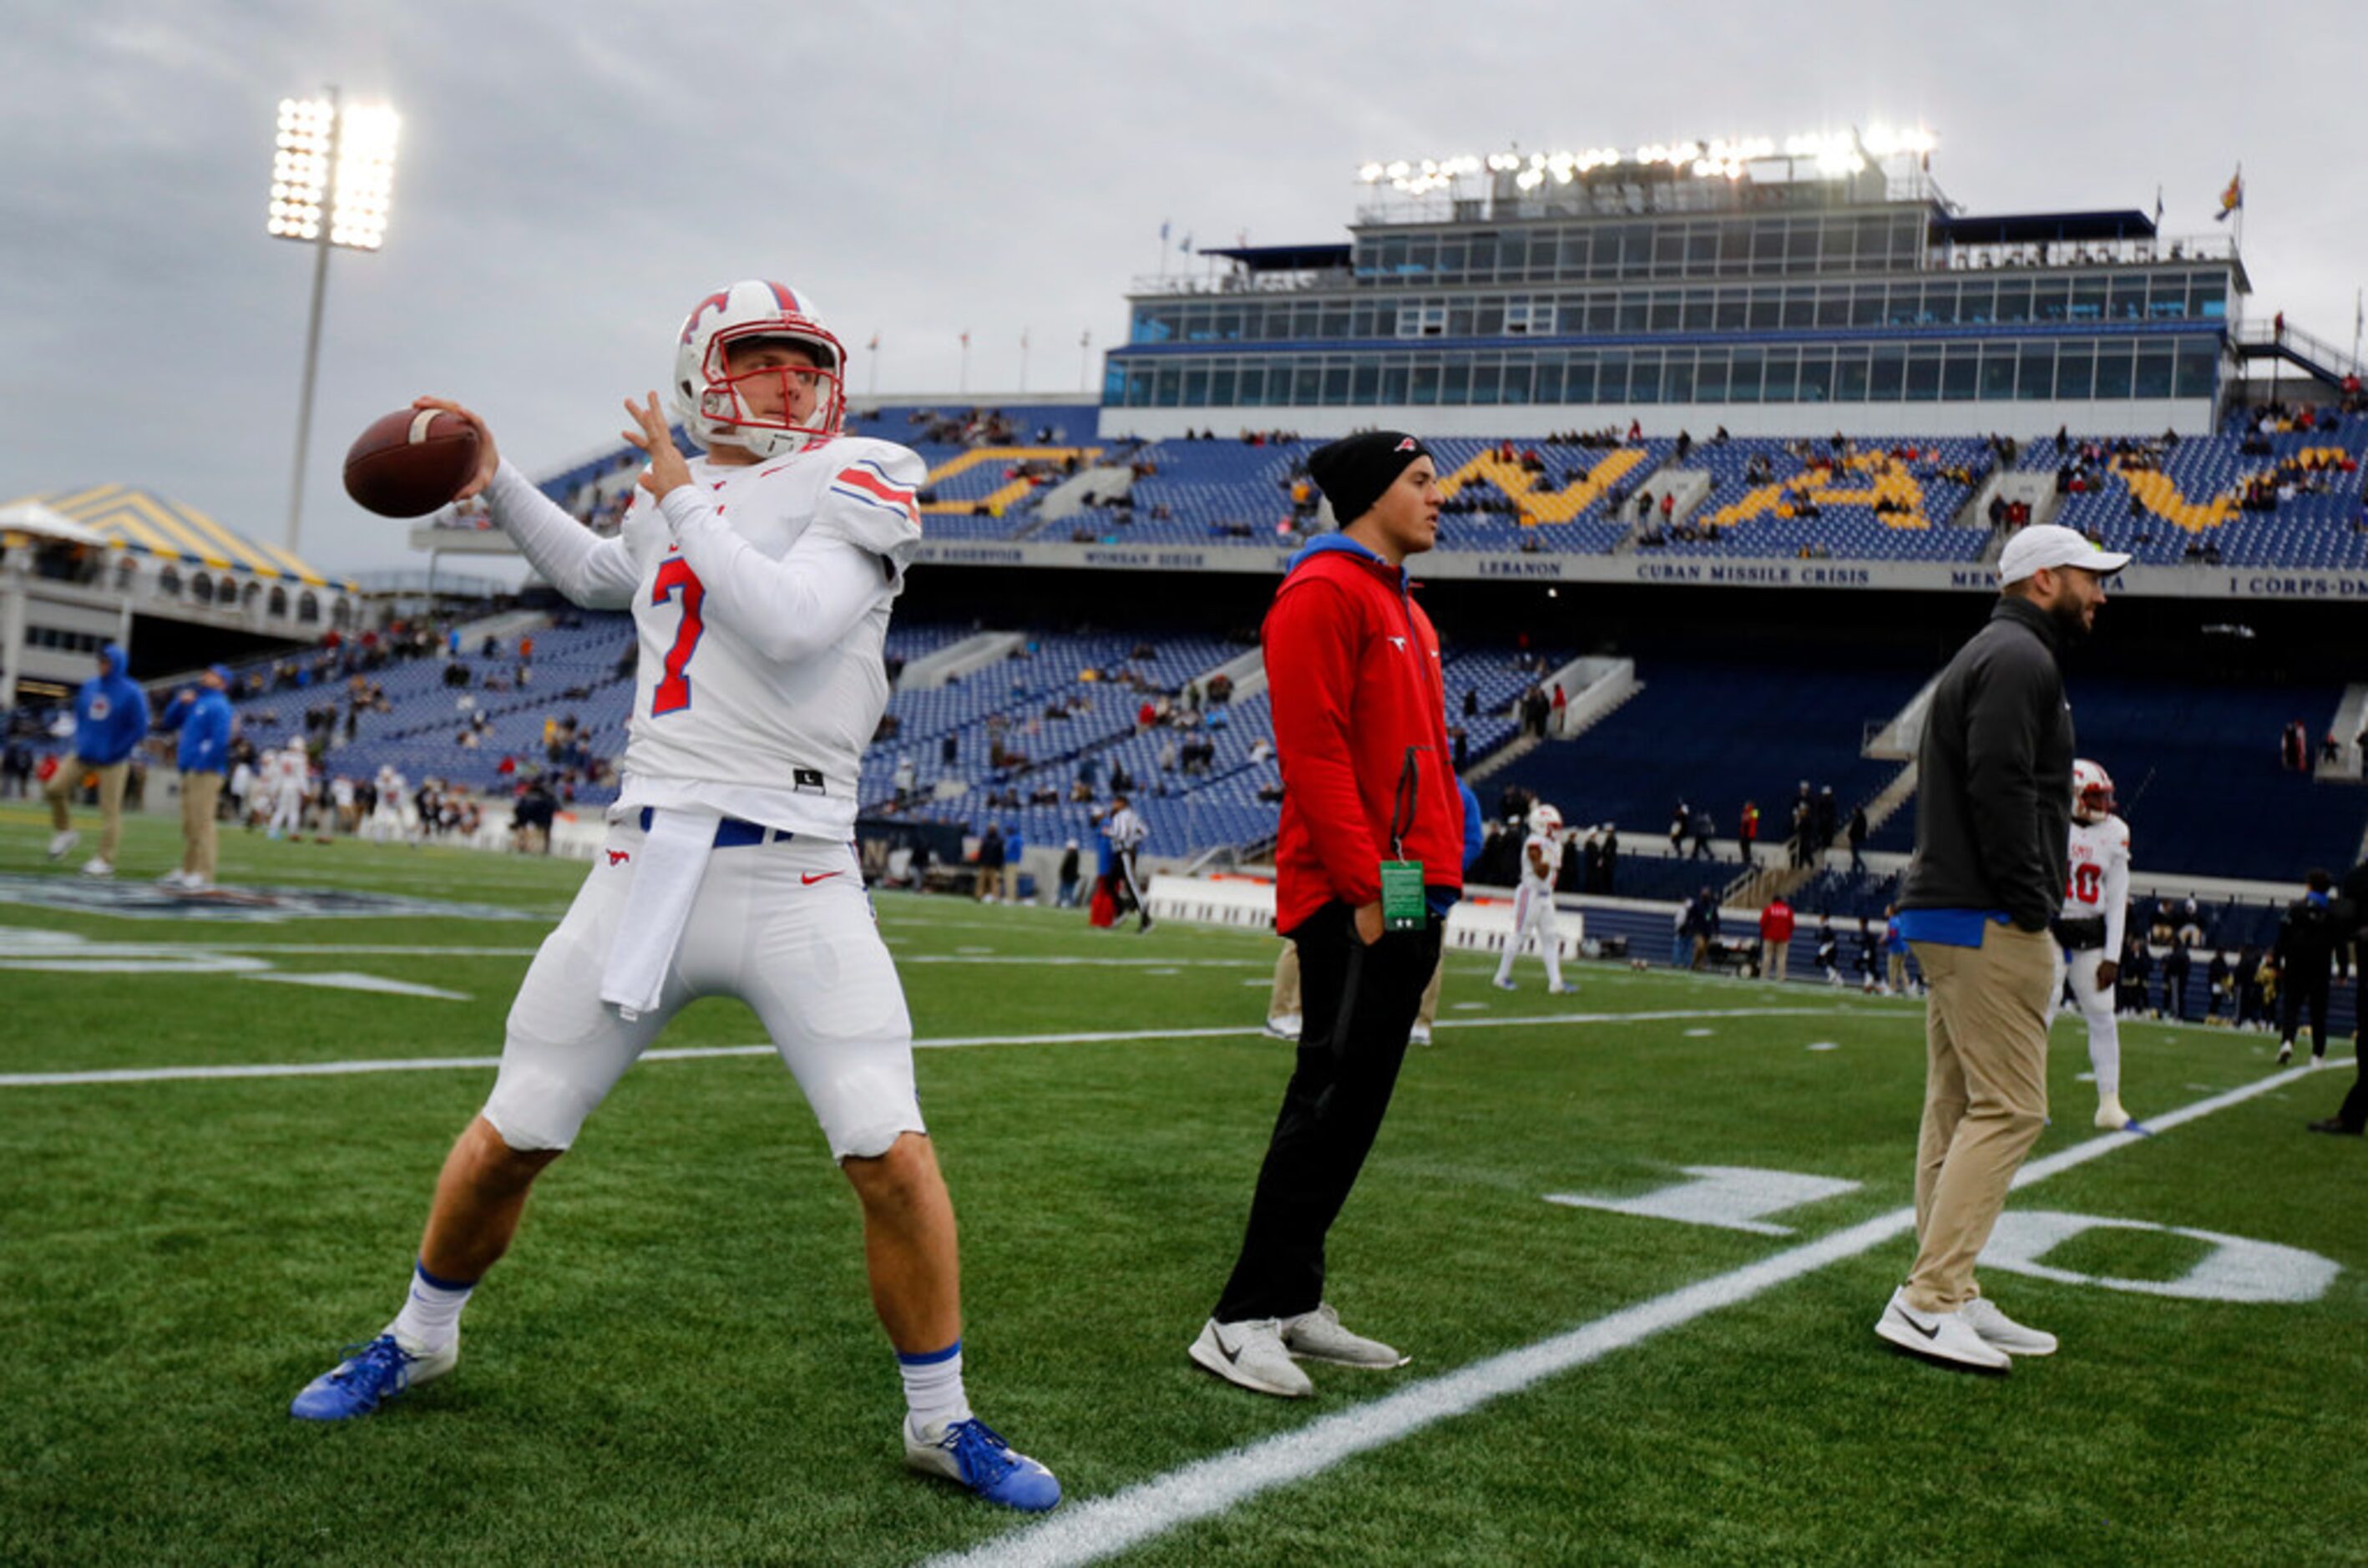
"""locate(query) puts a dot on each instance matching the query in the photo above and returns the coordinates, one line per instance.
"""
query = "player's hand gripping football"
(667, 470)
(488, 459)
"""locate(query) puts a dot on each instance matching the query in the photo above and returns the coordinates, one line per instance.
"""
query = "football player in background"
(286, 770)
(2089, 931)
(1533, 902)
(760, 577)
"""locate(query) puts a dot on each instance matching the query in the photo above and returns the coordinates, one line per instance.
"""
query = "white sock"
(933, 1387)
(2105, 1056)
(430, 1319)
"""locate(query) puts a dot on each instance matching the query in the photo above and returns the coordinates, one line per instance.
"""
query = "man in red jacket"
(1360, 731)
(1775, 938)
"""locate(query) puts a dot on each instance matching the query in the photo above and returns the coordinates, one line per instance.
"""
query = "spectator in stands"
(1775, 938)
(902, 780)
(1825, 817)
(2313, 927)
(2134, 985)
(1679, 820)
(1857, 837)
(1746, 830)
(1700, 828)
(1067, 898)
(1829, 950)
(1611, 859)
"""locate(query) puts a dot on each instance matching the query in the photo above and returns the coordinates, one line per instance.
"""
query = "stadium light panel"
(354, 195)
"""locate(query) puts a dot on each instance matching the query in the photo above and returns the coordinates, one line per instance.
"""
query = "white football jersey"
(1127, 829)
(1549, 848)
(717, 724)
(2097, 879)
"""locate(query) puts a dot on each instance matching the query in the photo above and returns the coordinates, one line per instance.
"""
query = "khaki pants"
(1429, 1011)
(60, 791)
(990, 881)
(201, 793)
(1773, 957)
(1284, 1001)
(1897, 968)
(1984, 1099)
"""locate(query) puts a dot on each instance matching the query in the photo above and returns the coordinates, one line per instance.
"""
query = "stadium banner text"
(1881, 576)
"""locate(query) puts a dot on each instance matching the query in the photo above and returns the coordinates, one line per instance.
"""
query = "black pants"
(2354, 1114)
(2295, 992)
(1357, 1006)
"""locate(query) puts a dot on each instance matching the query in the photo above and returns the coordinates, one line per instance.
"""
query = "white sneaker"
(98, 866)
(1565, 988)
(1283, 1027)
(1998, 1330)
(1318, 1337)
(2286, 1052)
(1251, 1354)
(1938, 1336)
(195, 884)
(66, 838)
(1419, 1035)
(171, 879)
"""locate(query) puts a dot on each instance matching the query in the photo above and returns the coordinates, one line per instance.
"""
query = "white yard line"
(1085, 1532)
(696, 1053)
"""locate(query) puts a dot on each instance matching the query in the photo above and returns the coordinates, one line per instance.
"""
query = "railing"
(2301, 344)
(1233, 281)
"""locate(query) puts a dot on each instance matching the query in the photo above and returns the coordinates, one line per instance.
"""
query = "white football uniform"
(289, 771)
(761, 597)
(2097, 886)
(1534, 912)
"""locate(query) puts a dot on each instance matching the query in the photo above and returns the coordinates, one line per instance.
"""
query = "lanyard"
(1402, 811)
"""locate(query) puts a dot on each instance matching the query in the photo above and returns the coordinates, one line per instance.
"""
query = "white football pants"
(288, 812)
(785, 927)
(2096, 1003)
(1533, 921)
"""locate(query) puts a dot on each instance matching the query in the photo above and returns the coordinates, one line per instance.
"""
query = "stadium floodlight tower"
(332, 175)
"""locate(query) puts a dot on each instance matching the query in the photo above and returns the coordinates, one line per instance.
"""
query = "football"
(410, 462)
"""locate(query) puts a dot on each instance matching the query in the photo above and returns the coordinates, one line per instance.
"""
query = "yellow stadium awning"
(148, 524)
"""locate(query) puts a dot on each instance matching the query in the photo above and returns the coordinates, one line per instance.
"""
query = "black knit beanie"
(1355, 470)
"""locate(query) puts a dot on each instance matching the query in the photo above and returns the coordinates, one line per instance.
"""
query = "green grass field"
(678, 1362)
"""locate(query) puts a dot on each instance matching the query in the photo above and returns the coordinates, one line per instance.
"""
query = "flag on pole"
(1187, 246)
(2232, 198)
(875, 343)
(1163, 230)
(965, 337)
(2157, 207)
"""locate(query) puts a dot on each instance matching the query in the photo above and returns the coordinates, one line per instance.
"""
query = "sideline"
(946, 1042)
(1087, 1532)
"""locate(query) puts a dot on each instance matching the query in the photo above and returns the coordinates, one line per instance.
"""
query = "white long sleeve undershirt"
(596, 573)
(789, 609)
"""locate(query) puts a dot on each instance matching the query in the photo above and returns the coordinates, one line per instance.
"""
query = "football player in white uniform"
(288, 770)
(1127, 830)
(1533, 901)
(761, 576)
(2089, 931)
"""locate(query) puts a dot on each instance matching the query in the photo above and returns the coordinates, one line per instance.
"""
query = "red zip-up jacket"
(1352, 670)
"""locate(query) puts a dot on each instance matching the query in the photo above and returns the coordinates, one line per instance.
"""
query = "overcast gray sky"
(574, 178)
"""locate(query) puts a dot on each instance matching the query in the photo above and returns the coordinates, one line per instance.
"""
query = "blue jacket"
(111, 712)
(205, 731)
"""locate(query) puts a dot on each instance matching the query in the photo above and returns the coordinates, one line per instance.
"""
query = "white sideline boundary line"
(703, 1053)
(1088, 1531)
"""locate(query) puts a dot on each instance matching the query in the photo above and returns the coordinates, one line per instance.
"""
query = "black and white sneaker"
(1251, 1353)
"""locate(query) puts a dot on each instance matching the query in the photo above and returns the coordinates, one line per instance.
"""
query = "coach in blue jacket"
(202, 715)
(111, 718)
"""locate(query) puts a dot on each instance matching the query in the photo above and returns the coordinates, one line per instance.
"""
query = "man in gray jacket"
(1993, 811)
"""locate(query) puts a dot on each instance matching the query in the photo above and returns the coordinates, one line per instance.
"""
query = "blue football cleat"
(970, 1453)
(374, 1374)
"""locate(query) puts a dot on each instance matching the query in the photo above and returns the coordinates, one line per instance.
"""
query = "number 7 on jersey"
(673, 690)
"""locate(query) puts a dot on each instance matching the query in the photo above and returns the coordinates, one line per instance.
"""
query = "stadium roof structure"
(1287, 258)
(2043, 228)
(146, 523)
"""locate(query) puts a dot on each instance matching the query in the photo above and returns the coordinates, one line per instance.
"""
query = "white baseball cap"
(2049, 546)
